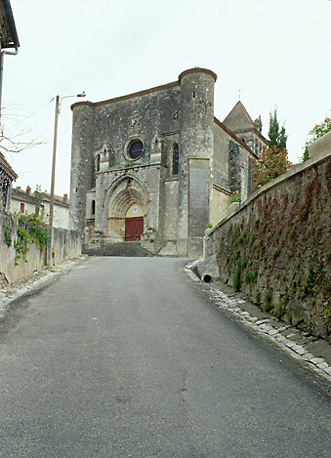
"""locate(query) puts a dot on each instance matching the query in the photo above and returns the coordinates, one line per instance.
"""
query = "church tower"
(197, 146)
(156, 166)
(82, 163)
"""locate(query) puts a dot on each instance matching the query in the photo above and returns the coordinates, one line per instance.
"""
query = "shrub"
(320, 129)
(272, 163)
(31, 229)
(234, 197)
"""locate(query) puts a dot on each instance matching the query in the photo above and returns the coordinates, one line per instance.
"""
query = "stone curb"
(265, 327)
(319, 365)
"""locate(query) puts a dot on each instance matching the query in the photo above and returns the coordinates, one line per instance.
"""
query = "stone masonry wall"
(66, 245)
(276, 248)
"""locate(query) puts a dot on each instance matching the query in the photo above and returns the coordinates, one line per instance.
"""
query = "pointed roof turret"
(238, 118)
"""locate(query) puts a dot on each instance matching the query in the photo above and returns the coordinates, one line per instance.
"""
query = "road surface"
(125, 357)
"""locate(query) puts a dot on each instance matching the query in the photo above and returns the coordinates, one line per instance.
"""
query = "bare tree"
(15, 136)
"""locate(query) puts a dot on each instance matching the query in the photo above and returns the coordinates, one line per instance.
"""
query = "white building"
(25, 201)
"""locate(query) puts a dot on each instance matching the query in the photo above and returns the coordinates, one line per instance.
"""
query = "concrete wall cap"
(297, 169)
(322, 144)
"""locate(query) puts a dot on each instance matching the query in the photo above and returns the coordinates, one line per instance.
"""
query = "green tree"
(38, 197)
(277, 136)
(306, 154)
(272, 163)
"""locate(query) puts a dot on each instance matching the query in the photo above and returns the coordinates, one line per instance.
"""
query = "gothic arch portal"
(122, 196)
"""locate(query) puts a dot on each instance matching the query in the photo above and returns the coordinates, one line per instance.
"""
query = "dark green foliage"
(276, 135)
(306, 154)
(258, 298)
(21, 244)
(268, 300)
(236, 282)
(292, 234)
(8, 236)
(244, 262)
(31, 229)
(310, 280)
(251, 277)
(38, 197)
(280, 311)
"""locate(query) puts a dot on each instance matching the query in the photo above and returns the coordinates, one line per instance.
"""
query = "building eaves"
(7, 167)
(58, 200)
(19, 194)
(8, 32)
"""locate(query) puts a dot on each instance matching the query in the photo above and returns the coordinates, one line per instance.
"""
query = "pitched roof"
(21, 194)
(8, 37)
(7, 167)
(238, 118)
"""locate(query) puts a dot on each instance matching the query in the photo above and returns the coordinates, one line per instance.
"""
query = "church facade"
(157, 165)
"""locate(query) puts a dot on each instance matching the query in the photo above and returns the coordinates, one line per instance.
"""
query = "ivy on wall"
(278, 251)
(30, 229)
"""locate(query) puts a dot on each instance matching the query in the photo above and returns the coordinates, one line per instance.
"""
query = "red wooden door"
(134, 227)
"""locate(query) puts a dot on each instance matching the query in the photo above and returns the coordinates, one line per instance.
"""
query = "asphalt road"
(125, 357)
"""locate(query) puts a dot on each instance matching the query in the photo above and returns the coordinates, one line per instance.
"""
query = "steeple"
(243, 126)
(238, 119)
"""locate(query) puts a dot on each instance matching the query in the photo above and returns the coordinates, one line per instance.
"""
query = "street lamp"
(58, 101)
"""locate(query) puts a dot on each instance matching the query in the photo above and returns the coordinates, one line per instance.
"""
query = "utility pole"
(51, 198)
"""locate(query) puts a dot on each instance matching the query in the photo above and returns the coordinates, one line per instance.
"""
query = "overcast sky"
(276, 52)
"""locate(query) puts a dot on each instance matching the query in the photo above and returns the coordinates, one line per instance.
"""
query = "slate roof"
(238, 118)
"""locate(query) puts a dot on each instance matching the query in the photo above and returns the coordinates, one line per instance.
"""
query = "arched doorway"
(134, 223)
(126, 210)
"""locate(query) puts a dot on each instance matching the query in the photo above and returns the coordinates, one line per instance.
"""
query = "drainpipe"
(2, 52)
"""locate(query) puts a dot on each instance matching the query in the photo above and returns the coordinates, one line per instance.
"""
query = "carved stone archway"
(124, 194)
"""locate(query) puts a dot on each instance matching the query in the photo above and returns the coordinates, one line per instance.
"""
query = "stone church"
(157, 165)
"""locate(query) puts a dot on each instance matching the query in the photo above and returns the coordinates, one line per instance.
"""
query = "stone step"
(129, 249)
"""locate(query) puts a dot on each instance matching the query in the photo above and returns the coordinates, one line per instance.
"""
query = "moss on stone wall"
(277, 250)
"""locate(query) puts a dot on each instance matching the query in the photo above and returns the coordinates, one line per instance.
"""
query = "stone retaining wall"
(276, 248)
(66, 245)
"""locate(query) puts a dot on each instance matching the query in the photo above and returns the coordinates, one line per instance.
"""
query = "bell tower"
(197, 146)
